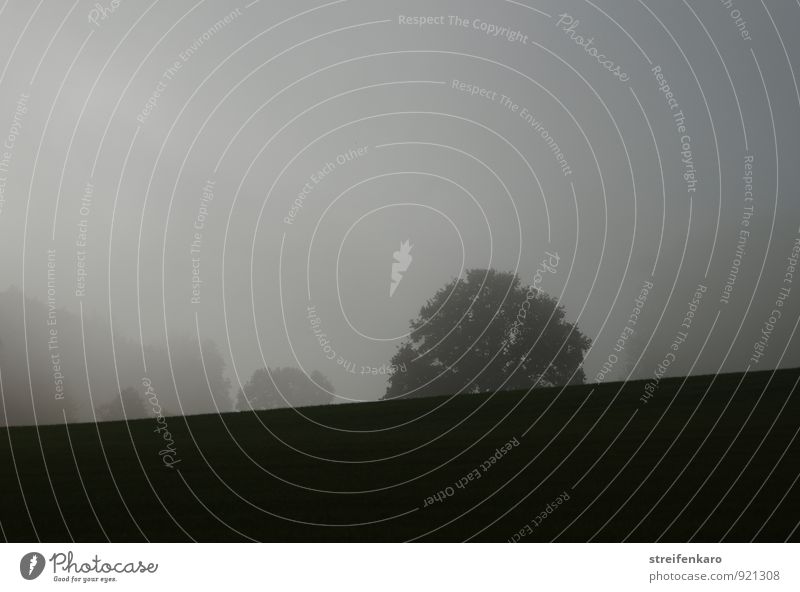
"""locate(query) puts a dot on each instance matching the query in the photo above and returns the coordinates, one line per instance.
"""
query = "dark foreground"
(704, 460)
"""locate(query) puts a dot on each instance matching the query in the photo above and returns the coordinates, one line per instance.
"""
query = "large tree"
(284, 387)
(486, 332)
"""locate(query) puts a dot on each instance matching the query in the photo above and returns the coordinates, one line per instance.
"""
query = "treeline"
(49, 373)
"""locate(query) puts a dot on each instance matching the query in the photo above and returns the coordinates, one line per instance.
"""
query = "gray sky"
(258, 104)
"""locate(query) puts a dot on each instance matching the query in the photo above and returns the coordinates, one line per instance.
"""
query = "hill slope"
(704, 459)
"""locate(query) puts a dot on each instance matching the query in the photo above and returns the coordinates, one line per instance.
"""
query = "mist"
(182, 183)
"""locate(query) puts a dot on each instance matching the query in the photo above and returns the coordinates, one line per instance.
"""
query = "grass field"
(705, 459)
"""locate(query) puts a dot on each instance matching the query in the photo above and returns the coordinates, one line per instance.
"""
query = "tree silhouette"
(487, 332)
(284, 387)
(127, 405)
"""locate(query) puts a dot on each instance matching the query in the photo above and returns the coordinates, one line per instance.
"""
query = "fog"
(183, 182)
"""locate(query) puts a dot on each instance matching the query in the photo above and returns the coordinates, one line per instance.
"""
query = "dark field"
(706, 459)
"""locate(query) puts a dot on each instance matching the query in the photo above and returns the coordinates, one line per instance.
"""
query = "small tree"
(284, 387)
(127, 405)
(487, 332)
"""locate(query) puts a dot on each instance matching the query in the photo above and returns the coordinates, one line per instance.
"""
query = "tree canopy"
(487, 332)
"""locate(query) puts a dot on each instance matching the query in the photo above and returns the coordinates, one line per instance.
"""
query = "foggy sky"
(263, 104)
